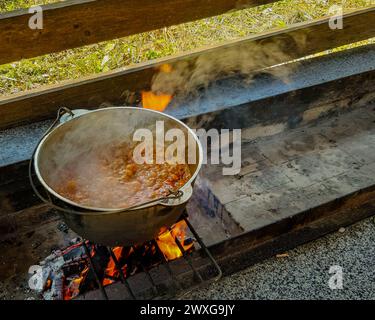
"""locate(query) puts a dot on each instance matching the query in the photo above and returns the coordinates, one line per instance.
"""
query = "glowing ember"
(167, 244)
(76, 276)
(74, 287)
(154, 101)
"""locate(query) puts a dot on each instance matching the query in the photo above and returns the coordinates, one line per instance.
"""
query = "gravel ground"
(303, 273)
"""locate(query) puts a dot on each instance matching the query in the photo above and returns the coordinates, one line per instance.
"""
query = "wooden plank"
(294, 42)
(75, 23)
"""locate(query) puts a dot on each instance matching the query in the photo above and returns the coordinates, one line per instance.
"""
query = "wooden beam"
(76, 23)
(294, 42)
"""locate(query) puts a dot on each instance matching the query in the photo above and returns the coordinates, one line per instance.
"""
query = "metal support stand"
(186, 255)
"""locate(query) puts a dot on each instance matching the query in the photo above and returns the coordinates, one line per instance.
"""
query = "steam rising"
(78, 150)
(246, 59)
(83, 139)
(74, 148)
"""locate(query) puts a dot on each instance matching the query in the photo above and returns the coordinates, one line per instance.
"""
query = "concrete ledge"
(297, 170)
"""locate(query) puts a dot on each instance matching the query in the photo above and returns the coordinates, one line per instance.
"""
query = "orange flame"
(166, 68)
(165, 241)
(111, 267)
(158, 102)
(73, 290)
(167, 244)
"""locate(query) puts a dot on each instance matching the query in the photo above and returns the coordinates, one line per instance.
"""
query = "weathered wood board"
(75, 23)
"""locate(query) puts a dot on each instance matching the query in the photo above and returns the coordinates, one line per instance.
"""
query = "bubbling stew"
(109, 178)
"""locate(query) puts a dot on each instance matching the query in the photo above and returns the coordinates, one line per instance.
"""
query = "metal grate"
(178, 287)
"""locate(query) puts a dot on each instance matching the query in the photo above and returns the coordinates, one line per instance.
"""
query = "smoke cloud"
(246, 59)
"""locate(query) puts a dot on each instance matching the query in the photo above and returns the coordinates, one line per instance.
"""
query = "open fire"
(66, 273)
(157, 101)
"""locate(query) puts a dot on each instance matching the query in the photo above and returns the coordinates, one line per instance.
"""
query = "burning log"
(65, 274)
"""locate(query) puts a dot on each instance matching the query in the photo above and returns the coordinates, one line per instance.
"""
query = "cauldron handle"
(60, 113)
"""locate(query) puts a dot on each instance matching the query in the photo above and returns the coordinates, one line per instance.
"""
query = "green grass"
(8, 5)
(93, 59)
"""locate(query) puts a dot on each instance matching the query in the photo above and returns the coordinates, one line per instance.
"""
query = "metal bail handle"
(73, 114)
(61, 111)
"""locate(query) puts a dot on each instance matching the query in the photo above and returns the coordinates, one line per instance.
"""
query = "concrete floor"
(303, 273)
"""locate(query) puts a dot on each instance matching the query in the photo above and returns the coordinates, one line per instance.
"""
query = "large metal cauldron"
(101, 225)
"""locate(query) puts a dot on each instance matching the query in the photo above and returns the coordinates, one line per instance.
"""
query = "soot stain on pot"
(162, 212)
